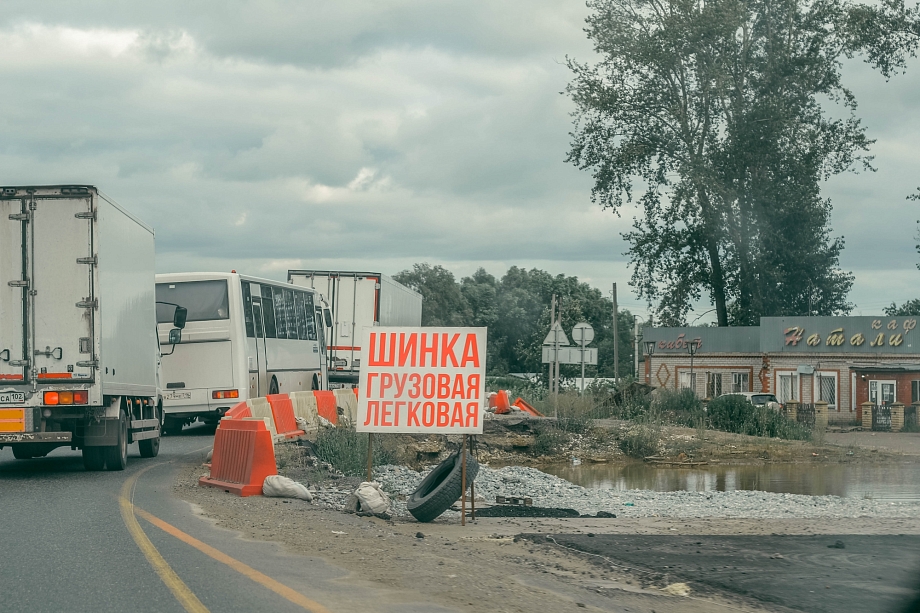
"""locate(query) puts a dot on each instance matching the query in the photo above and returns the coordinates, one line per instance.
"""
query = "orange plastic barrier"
(243, 456)
(239, 411)
(326, 406)
(283, 414)
(527, 407)
(502, 404)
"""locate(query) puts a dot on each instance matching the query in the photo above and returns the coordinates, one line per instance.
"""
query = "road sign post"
(582, 334)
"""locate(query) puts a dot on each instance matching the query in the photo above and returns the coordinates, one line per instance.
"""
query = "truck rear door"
(12, 294)
(64, 303)
(56, 295)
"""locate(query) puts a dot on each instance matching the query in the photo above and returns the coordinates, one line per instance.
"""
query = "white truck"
(79, 356)
(357, 300)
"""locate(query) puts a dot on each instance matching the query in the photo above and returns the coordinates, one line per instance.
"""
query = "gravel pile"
(550, 491)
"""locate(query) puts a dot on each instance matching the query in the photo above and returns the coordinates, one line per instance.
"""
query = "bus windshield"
(205, 300)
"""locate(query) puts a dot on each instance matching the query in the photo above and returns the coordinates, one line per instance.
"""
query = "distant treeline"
(516, 310)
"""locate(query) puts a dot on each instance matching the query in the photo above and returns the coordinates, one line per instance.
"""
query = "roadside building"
(844, 361)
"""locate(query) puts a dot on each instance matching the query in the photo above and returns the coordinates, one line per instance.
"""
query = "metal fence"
(881, 418)
(910, 419)
(805, 415)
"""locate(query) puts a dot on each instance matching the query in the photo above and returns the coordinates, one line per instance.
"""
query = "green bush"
(641, 441)
(346, 450)
(677, 407)
(736, 414)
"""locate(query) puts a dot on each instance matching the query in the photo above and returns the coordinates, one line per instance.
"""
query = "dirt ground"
(488, 565)
(485, 566)
(518, 442)
(907, 443)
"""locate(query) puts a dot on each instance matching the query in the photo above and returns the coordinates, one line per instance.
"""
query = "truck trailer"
(79, 356)
(357, 300)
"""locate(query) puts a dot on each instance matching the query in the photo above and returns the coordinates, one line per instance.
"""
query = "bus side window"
(311, 318)
(299, 316)
(247, 310)
(289, 314)
(268, 312)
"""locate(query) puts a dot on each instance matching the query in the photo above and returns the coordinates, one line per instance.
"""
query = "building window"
(713, 384)
(740, 382)
(826, 389)
(788, 388)
(688, 381)
(914, 391)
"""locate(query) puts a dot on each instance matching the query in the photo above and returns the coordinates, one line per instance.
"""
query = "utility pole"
(552, 363)
(636, 345)
(616, 340)
(556, 360)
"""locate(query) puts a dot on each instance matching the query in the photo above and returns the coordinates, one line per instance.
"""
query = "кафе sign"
(839, 334)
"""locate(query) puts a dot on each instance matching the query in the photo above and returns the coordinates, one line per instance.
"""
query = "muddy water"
(884, 482)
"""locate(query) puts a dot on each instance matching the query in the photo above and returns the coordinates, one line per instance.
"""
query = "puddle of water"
(884, 482)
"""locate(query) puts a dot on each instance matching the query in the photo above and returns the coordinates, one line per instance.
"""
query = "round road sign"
(582, 334)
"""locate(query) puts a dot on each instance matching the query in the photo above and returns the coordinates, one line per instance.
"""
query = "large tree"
(721, 118)
(516, 310)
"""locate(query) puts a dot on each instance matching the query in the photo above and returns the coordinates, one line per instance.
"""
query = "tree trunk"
(717, 280)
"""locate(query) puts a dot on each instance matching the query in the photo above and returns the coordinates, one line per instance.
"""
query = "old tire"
(116, 456)
(93, 458)
(441, 488)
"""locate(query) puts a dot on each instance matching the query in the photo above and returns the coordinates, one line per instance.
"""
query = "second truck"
(357, 300)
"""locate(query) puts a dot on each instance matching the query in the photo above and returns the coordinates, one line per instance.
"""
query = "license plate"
(178, 396)
(12, 397)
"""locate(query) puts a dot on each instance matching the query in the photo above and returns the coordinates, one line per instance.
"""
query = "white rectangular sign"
(422, 380)
(570, 355)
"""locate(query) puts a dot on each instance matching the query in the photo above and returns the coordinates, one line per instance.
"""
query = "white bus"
(244, 337)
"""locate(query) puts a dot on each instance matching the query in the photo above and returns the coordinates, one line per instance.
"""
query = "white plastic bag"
(282, 487)
(372, 498)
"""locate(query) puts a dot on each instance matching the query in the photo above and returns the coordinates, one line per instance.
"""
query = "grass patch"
(641, 440)
(548, 439)
(346, 450)
(735, 414)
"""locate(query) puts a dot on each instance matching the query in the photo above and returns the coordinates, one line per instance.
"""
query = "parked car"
(759, 399)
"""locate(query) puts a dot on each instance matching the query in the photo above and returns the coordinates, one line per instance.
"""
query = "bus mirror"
(179, 318)
(327, 317)
(175, 336)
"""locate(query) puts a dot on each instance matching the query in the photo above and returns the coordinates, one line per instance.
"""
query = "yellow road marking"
(180, 590)
(260, 578)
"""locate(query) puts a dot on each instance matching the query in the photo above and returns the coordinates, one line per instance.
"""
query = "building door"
(882, 393)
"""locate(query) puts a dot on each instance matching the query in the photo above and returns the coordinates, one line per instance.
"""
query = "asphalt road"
(803, 573)
(66, 545)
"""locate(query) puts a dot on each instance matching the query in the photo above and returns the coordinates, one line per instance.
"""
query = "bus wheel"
(315, 382)
(273, 386)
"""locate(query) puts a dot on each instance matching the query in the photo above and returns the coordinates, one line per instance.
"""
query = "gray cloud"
(261, 135)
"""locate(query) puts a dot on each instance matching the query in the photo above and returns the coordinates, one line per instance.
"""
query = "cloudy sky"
(262, 136)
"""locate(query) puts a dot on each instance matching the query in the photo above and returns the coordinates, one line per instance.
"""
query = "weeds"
(641, 440)
(736, 414)
(548, 440)
(346, 450)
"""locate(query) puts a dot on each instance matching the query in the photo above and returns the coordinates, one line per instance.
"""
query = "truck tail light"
(74, 397)
(221, 394)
